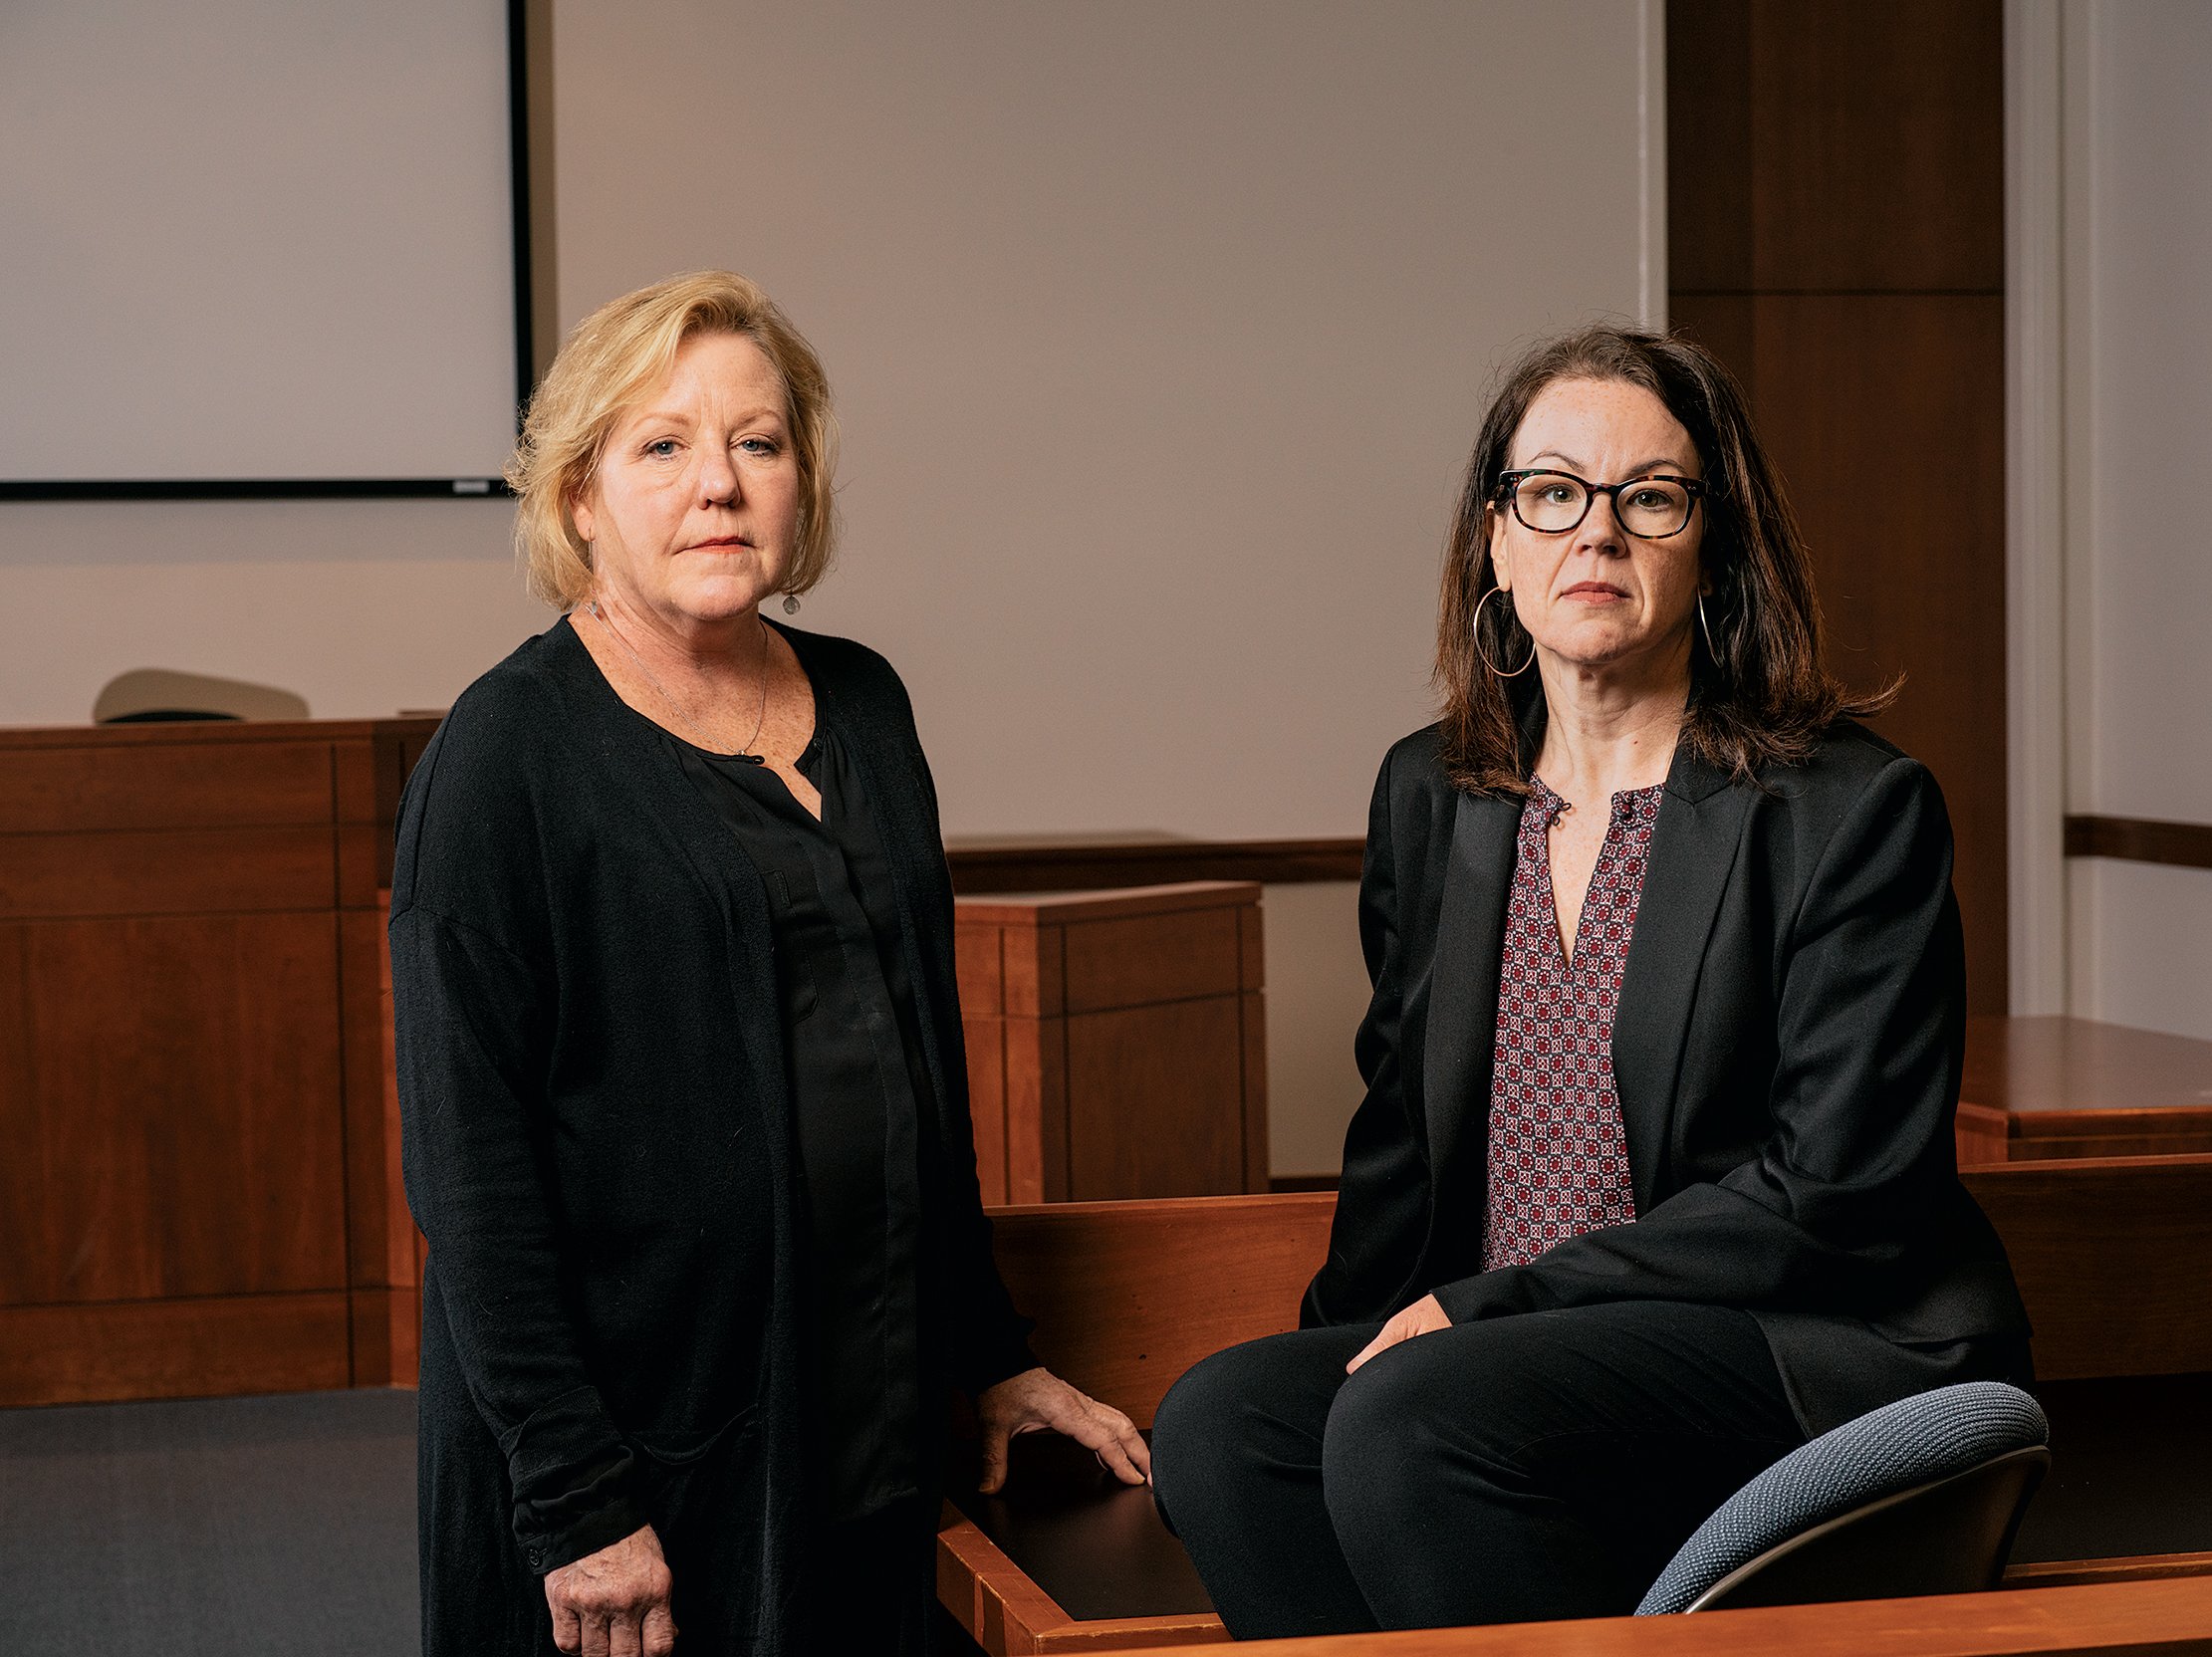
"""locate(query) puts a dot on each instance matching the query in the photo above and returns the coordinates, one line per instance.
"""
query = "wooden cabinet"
(2043, 1088)
(197, 1177)
(1116, 1044)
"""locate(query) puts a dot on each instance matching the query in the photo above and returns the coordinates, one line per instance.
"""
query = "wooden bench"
(2111, 1256)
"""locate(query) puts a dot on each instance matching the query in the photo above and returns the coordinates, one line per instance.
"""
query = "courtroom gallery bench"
(2111, 1260)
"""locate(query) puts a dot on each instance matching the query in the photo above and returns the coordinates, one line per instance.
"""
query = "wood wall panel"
(985, 1039)
(177, 1130)
(1836, 145)
(173, 1348)
(199, 1140)
(1836, 213)
(386, 1332)
(1709, 219)
(2144, 1223)
(1146, 1088)
(166, 872)
(360, 874)
(1127, 1295)
(379, 1229)
(1883, 413)
(1146, 958)
(82, 790)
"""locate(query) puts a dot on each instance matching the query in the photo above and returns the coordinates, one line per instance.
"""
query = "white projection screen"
(256, 246)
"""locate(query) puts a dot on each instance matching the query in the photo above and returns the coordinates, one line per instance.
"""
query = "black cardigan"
(1787, 1051)
(599, 1145)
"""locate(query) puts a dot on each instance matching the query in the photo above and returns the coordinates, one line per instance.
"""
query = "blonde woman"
(679, 1054)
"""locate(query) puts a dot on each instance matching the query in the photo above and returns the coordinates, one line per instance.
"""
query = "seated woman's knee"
(1197, 1424)
(1383, 1431)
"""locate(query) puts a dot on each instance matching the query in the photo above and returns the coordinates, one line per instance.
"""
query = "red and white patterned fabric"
(1559, 1164)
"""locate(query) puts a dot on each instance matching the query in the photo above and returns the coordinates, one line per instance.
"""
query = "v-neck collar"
(1694, 845)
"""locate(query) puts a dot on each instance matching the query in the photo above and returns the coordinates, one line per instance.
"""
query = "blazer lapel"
(1463, 979)
(1694, 846)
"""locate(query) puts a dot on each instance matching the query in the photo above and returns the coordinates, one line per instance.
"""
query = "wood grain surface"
(1129, 1295)
(2126, 1619)
(1836, 236)
(2110, 1260)
(1116, 1042)
(2043, 1088)
(173, 1127)
(220, 1347)
(198, 1191)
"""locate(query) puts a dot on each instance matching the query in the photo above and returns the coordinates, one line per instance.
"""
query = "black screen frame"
(431, 488)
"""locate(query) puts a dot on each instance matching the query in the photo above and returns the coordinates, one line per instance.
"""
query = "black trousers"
(1521, 1468)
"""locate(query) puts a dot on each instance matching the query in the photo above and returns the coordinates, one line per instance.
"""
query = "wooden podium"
(1116, 1043)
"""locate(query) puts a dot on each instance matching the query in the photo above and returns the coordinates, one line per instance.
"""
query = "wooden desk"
(198, 1180)
(2044, 1087)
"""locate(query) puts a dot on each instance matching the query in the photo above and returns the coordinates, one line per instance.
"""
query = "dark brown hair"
(1760, 691)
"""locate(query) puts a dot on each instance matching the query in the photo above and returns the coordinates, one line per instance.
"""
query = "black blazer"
(1787, 1051)
(598, 1143)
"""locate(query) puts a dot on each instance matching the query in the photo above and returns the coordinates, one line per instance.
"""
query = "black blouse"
(601, 1143)
(853, 1046)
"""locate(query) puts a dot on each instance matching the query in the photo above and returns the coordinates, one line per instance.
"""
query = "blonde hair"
(614, 358)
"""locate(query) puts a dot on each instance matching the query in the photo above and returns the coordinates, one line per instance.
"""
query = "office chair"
(156, 694)
(1923, 1496)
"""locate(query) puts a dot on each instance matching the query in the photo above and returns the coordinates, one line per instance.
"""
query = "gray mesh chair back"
(1923, 1496)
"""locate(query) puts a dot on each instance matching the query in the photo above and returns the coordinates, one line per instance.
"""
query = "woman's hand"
(1036, 1398)
(614, 1603)
(1424, 1316)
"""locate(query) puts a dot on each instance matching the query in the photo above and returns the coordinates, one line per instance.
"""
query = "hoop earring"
(1476, 630)
(1704, 626)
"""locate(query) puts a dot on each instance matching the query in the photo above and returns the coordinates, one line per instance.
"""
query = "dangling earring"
(1476, 630)
(1706, 627)
(791, 604)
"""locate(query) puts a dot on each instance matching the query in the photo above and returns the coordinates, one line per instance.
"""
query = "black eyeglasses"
(1552, 503)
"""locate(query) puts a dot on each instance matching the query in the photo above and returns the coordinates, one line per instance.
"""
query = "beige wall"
(1316, 989)
(2130, 352)
(362, 606)
(1159, 332)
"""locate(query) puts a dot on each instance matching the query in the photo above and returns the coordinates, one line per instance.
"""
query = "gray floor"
(234, 1527)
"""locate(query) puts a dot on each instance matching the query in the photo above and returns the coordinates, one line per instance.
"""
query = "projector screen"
(255, 246)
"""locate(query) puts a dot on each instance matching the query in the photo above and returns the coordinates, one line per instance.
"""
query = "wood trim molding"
(2134, 1568)
(1038, 867)
(2035, 514)
(2139, 839)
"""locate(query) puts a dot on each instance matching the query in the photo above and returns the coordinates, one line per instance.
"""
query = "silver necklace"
(676, 707)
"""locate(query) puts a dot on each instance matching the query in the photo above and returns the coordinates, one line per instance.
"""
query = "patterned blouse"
(1559, 1163)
